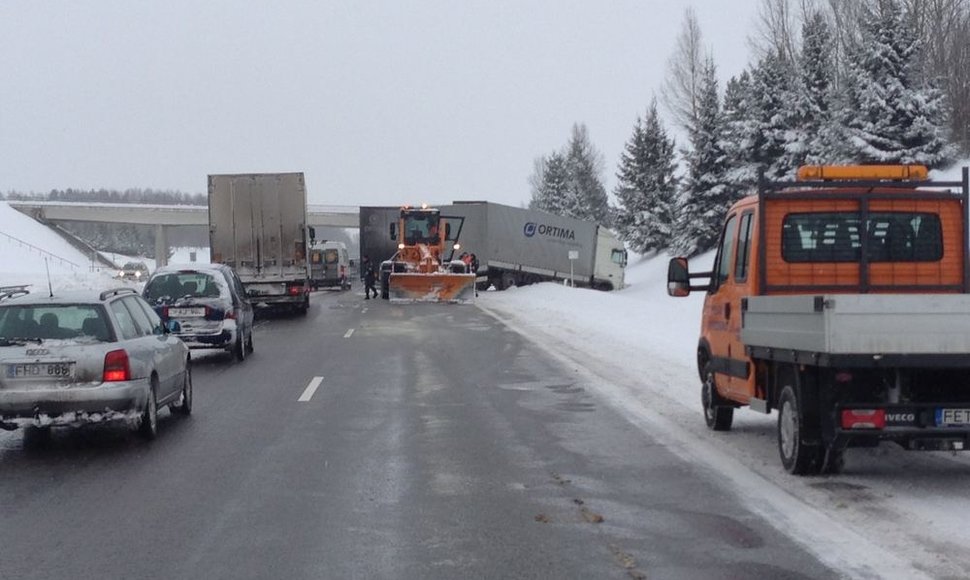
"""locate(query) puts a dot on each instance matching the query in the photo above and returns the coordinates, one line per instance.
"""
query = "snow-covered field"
(892, 514)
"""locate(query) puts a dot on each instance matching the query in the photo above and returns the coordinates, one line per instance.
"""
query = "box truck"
(258, 227)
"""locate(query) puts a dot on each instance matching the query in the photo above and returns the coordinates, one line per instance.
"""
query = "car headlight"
(137, 274)
(121, 274)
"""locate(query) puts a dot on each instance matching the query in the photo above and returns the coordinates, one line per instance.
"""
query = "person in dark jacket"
(370, 278)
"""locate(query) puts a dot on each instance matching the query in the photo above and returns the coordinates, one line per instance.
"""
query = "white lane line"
(349, 333)
(310, 389)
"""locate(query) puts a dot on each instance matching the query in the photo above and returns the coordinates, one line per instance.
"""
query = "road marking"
(349, 333)
(310, 389)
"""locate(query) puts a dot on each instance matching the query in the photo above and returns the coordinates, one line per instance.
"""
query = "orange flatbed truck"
(841, 300)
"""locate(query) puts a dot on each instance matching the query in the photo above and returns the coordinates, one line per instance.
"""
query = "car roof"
(175, 268)
(69, 297)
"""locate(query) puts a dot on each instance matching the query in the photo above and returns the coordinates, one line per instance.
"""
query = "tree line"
(833, 81)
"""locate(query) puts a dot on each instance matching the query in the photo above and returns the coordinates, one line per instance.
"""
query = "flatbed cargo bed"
(876, 325)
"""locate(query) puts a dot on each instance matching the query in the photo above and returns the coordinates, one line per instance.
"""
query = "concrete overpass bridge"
(164, 216)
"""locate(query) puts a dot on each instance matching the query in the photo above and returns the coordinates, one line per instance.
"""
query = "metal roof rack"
(116, 292)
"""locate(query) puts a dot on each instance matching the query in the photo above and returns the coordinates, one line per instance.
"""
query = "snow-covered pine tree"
(772, 95)
(647, 186)
(818, 131)
(586, 198)
(705, 197)
(891, 118)
(739, 135)
(550, 184)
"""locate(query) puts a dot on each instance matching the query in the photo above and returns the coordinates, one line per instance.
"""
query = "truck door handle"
(727, 311)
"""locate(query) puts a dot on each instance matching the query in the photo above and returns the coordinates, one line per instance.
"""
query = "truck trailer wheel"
(717, 415)
(798, 442)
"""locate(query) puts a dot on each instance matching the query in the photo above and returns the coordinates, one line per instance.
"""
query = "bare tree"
(681, 91)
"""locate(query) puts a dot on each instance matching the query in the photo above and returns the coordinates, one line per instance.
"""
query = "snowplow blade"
(410, 287)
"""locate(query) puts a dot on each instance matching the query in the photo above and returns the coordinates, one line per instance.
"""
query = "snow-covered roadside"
(893, 514)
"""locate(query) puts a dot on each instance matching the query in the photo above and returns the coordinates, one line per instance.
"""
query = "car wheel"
(184, 404)
(249, 342)
(717, 416)
(801, 452)
(239, 348)
(148, 428)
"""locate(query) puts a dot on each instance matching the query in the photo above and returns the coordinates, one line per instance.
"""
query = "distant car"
(137, 271)
(205, 305)
(88, 357)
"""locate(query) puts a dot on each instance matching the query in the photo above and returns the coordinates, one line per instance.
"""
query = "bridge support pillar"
(161, 246)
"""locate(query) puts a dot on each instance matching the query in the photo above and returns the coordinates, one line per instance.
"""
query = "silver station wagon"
(86, 357)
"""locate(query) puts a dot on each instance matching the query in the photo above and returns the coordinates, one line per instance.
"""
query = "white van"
(329, 265)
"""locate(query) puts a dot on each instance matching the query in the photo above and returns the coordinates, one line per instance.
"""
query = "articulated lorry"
(258, 227)
(514, 246)
(842, 300)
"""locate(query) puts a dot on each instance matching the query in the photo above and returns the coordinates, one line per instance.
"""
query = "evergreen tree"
(586, 196)
(705, 196)
(890, 117)
(550, 182)
(817, 127)
(646, 188)
(740, 138)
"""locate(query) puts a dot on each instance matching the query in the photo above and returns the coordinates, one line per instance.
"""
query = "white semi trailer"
(514, 246)
(258, 227)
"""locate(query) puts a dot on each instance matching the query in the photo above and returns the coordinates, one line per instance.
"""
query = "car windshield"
(59, 321)
(176, 285)
(134, 266)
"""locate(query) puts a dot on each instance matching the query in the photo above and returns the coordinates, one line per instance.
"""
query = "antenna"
(49, 285)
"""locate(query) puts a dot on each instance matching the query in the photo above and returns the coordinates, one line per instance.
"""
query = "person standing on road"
(370, 278)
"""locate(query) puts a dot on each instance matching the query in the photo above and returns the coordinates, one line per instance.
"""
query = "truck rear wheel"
(798, 441)
(717, 415)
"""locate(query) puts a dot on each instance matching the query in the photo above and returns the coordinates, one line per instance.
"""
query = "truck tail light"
(295, 290)
(116, 367)
(863, 418)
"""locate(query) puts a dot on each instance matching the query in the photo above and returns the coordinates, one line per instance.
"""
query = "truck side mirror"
(678, 277)
(313, 234)
(393, 231)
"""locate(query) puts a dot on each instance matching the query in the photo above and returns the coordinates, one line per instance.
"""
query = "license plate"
(61, 370)
(187, 312)
(952, 417)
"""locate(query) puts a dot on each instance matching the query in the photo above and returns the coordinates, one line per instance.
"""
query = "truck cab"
(824, 302)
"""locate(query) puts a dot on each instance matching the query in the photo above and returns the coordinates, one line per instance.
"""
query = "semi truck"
(841, 300)
(514, 246)
(258, 227)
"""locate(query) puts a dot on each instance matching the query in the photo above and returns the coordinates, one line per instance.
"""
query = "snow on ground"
(28, 248)
(892, 514)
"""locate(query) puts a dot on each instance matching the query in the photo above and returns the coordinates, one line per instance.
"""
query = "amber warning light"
(863, 172)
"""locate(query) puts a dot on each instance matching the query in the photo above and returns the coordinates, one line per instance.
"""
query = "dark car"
(207, 304)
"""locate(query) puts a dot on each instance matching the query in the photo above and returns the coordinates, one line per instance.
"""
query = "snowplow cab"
(418, 271)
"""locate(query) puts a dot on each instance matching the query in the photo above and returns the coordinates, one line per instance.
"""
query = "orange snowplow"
(418, 271)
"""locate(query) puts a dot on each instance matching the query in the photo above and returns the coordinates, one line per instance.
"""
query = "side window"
(142, 324)
(240, 289)
(726, 251)
(153, 320)
(744, 248)
(125, 322)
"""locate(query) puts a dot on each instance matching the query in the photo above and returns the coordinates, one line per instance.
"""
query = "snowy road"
(432, 442)
(891, 514)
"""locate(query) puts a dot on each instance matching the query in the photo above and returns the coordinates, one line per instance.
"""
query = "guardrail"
(41, 250)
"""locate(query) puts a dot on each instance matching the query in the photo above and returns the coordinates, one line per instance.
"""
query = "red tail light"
(116, 367)
(863, 419)
(296, 290)
(164, 311)
(230, 315)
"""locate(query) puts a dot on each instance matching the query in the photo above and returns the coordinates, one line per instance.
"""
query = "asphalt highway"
(376, 440)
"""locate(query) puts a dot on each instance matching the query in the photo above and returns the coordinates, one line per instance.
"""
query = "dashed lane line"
(310, 389)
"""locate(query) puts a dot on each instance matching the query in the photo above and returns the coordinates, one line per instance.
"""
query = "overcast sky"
(379, 103)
